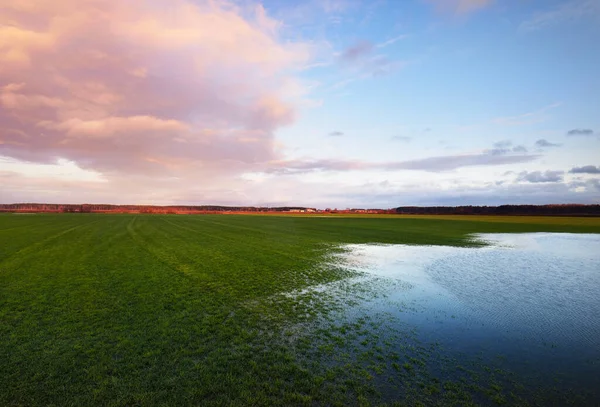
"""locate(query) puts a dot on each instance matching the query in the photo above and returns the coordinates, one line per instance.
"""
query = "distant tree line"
(107, 208)
(542, 210)
(545, 210)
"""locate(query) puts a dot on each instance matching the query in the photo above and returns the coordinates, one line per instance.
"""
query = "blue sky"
(379, 103)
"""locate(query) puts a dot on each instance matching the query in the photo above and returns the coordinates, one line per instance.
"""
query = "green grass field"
(179, 310)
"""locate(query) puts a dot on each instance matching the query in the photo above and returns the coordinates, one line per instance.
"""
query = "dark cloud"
(498, 151)
(431, 164)
(580, 132)
(545, 143)
(504, 147)
(502, 144)
(539, 176)
(358, 51)
(586, 169)
(594, 184)
(336, 133)
(451, 162)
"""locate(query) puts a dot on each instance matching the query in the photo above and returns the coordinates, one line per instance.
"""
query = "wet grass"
(213, 310)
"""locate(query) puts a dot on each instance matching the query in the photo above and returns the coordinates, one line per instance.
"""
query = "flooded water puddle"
(536, 287)
(529, 303)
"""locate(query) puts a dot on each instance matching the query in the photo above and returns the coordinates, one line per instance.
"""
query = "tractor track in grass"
(178, 267)
(25, 251)
(229, 240)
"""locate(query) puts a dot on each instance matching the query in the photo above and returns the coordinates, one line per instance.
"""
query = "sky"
(323, 103)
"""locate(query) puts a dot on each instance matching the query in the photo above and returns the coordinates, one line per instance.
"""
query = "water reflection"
(532, 298)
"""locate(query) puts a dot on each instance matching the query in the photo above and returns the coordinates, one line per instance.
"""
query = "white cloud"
(536, 116)
(565, 12)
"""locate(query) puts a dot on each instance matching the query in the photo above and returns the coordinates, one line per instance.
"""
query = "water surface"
(529, 300)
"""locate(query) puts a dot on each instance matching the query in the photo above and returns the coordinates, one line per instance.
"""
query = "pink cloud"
(112, 126)
(183, 89)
